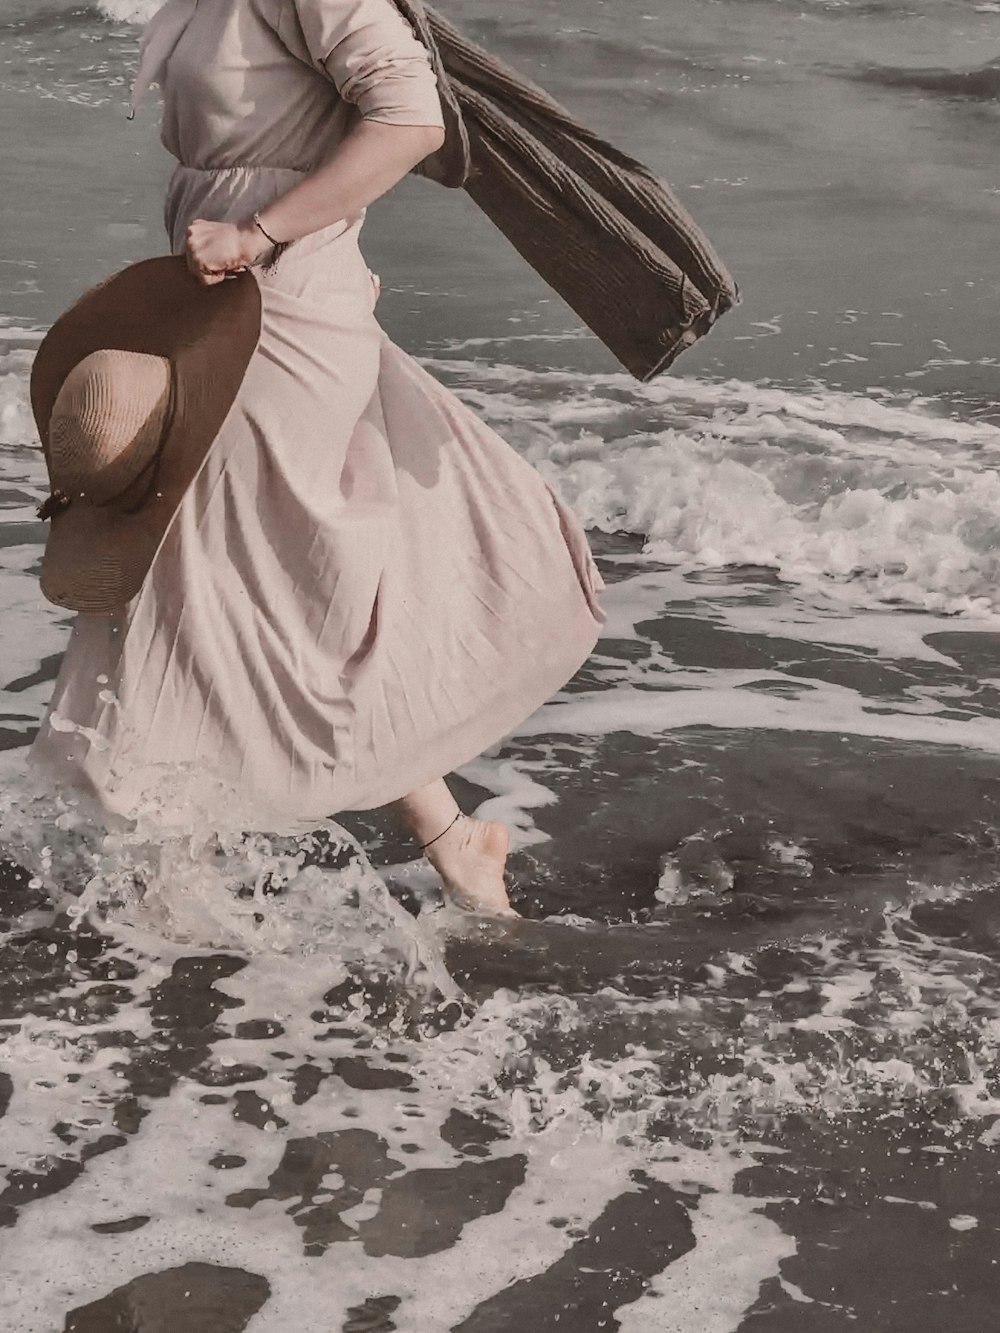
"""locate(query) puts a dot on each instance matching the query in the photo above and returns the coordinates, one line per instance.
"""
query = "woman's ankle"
(454, 826)
(429, 811)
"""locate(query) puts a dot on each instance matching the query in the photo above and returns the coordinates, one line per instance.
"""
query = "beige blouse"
(277, 83)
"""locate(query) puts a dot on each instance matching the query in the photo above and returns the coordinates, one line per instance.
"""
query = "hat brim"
(97, 556)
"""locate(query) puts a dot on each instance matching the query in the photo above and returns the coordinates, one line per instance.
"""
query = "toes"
(493, 902)
(483, 908)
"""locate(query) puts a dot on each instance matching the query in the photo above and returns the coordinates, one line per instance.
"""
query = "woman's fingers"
(205, 273)
(213, 251)
(206, 276)
(214, 245)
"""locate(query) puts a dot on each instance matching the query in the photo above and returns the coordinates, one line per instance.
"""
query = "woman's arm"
(368, 161)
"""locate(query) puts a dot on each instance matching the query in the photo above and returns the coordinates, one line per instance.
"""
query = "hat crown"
(108, 423)
(148, 364)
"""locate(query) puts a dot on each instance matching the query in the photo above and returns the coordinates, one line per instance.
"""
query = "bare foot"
(470, 859)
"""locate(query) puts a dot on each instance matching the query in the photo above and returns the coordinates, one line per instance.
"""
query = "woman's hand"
(213, 249)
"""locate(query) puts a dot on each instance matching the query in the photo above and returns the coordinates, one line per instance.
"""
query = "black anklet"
(425, 845)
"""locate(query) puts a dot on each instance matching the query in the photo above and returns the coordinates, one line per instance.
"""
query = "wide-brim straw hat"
(129, 389)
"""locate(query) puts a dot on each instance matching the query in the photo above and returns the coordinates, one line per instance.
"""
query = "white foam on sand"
(727, 702)
(653, 695)
(742, 603)
(164, 1175)
(710, 1288)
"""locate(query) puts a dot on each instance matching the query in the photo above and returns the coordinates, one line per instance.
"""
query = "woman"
(365, 586)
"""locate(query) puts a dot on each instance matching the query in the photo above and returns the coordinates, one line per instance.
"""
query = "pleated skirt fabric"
(364, 587)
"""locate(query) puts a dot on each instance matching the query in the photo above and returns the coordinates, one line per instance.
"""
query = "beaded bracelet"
(279, 246)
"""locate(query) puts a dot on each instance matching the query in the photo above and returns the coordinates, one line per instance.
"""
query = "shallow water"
(736, 1068)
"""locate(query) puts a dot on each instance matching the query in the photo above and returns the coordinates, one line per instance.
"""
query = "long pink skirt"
(364, 587)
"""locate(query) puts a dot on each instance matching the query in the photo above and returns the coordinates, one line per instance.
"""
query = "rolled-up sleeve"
(373, 57)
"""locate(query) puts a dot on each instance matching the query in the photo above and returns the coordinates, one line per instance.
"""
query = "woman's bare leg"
(469, 854)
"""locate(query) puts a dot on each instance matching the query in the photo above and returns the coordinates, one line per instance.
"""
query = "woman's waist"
(240, 168)
(233, 194)
(326, 257)
(232, 182)
(247, 186)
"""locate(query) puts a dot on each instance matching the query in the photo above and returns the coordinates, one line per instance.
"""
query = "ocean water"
(736, 1069)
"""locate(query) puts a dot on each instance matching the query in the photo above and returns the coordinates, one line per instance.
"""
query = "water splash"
(129, 11)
